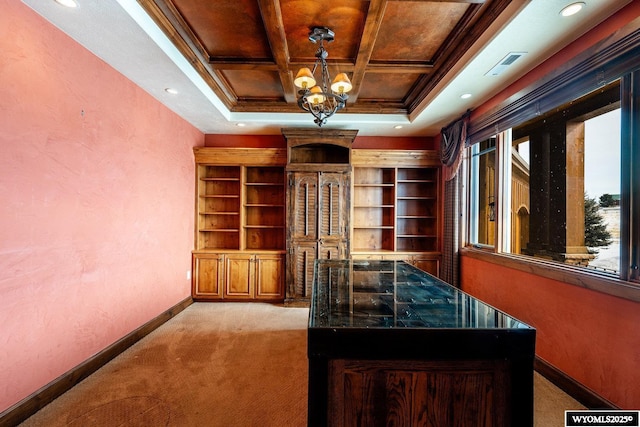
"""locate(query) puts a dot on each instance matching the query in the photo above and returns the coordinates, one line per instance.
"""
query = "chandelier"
(321, 100)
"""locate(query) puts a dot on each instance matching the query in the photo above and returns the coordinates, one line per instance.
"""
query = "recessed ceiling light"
(465, 96)
(171, 90)
(573, 8)
(67, 3)
(397, 127)
(240, 125)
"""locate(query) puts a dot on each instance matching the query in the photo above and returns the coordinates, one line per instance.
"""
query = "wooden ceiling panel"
(386, 87)
(344, 17)
(227, 28)
(254, 84)
(394, 51)
(415, 31)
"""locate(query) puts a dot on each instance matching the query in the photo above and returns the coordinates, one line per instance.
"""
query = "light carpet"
(219, 364)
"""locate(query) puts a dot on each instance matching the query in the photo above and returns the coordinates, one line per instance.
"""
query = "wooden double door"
(318, 206)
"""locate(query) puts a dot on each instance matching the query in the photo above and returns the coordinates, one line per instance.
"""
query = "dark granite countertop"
(394, 294)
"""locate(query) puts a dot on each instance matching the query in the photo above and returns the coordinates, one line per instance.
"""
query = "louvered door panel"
(333, 205)
(304, 257)
(333, 249)
(304, 213)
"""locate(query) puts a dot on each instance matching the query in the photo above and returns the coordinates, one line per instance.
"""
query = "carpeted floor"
(218, 364)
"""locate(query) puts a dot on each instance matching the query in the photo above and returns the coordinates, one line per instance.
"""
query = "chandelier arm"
(322, 111)
(321, 102)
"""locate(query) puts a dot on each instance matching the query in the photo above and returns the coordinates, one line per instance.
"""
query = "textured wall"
(96, 219)
(590, 336)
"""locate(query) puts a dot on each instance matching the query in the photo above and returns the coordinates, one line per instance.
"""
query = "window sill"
(564, 273)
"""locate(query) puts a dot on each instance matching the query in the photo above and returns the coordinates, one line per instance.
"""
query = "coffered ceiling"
(395, 51)
(233, 61)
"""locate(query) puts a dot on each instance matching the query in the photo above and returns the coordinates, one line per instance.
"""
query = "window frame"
(630, 176)
(474, 196)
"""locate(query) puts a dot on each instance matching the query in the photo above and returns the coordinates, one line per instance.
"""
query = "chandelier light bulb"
(304, 79)
(341, 84)
(316, 96)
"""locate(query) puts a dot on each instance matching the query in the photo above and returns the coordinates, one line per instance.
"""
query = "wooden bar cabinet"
(390, 345)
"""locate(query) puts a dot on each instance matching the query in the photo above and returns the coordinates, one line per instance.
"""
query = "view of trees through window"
(602, 184)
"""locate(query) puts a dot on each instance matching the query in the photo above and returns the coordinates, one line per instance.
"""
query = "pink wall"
(395, 143)
(96, 219)
(590, 336)
(245, 141)
(278, 141)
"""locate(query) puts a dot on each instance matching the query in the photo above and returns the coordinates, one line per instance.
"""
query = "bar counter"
(389, 344)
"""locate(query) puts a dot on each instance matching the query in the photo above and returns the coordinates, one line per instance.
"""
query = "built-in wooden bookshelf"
(396, 207)
(385, 204)
(240, 224)
(218, 207)
(264, 208)
(417, 209)
(373, 209)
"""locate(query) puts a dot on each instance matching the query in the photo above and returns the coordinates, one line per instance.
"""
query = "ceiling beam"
(243, 64)
(369, 34)
(448, 1)
(401, 67)
(274, 26)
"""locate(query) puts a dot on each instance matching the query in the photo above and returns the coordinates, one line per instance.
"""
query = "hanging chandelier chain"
(325, 70)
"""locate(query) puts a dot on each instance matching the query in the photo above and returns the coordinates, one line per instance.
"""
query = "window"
(564, 194)
(483, 193)
(520, 200)
(553, 174)
(602, 188)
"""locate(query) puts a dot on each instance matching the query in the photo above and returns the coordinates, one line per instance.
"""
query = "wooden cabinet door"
(318, 221)
(425, 262)
(430, 265)
(333, 249)
(333, 206)
(419, 392)
(269, 276)
(302, 205)
(208, 276)
(301, 261)
(239, 276)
